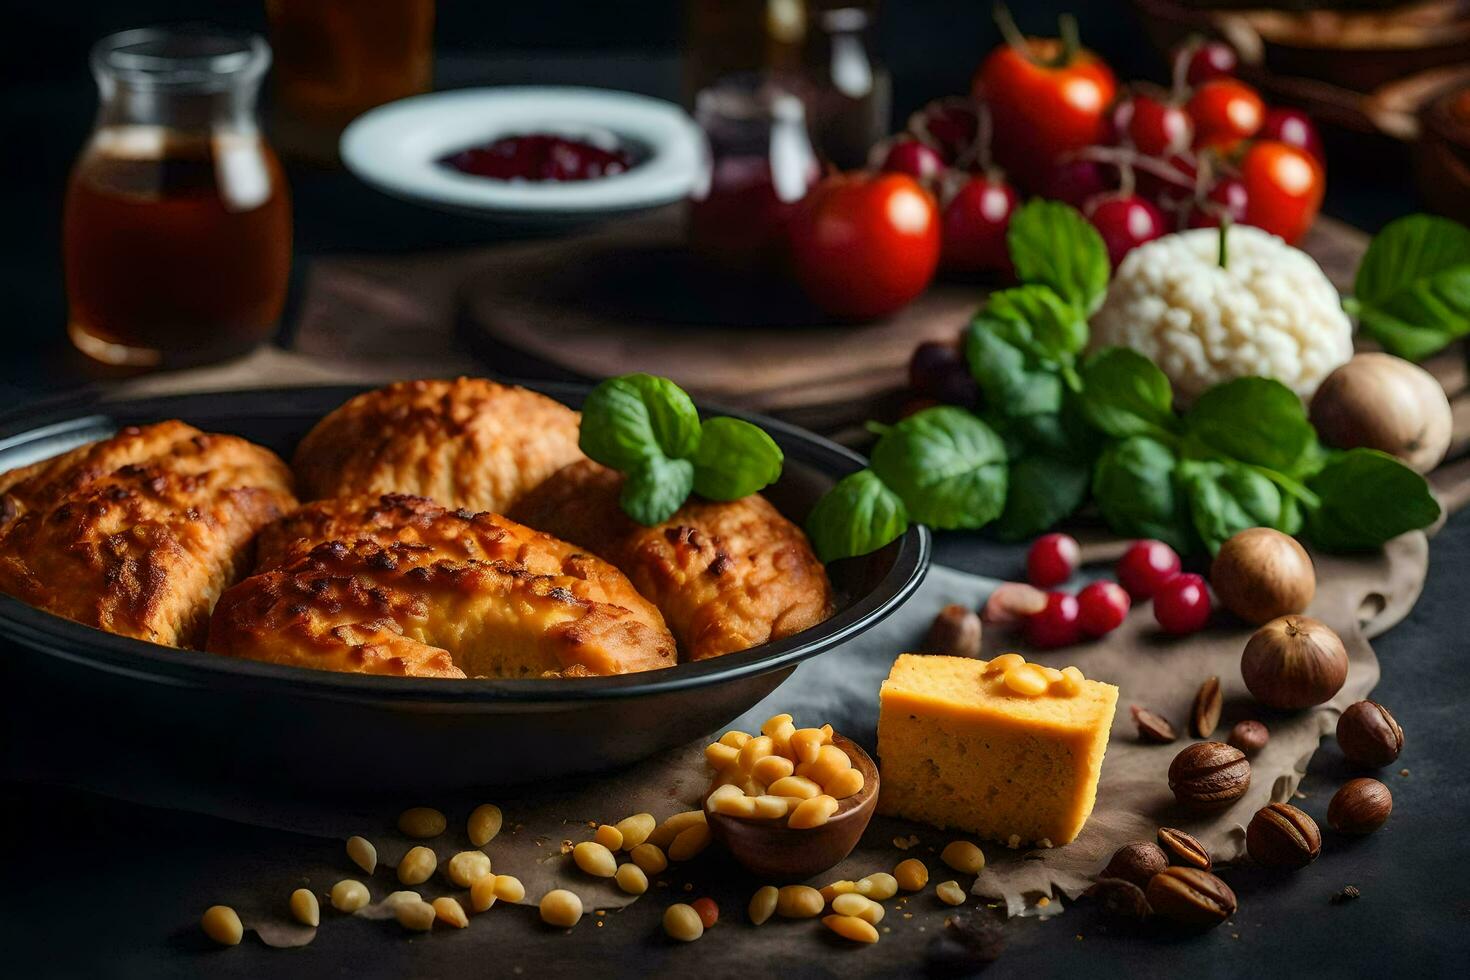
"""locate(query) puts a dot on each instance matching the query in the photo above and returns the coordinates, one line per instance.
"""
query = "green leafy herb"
(1367, 497)
(1255, 420)
(948, 467)
(1021, 348)
(857, 516)
(1227, 497)
(735, 459)
(1125, 394)
(1412, 291)
(1052, 244)
(1134, 488)
(656, 488)
(1041, 491)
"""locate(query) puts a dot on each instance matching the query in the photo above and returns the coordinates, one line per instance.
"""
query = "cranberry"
(1152, 126)
(539, 156)
(1102, 607)
(1145, 566)
(1078, 181)
(1182, 604)
(910, 156)
(1227, 197)
(1125, 223)
(709, 912)
(1213, 59)
(938, 370)
(1056, 625)
(975, 223)
(1051, 560)
(1294, 128)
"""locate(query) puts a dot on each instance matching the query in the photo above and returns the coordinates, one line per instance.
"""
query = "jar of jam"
(759, 164)
(177, 222)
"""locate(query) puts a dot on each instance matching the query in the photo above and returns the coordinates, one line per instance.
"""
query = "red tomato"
(1283, 187)
(1155, 128)
(975, 224)
(1044, 102)
(1225, 111)
(865, 245)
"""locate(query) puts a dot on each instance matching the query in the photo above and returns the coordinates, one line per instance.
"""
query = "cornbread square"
(958, 749)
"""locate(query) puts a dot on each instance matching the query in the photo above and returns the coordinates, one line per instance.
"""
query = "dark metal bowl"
(347, 731)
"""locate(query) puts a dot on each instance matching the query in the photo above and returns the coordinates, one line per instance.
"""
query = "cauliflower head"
(1270, 312)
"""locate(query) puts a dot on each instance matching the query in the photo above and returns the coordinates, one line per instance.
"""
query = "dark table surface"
(99, 887)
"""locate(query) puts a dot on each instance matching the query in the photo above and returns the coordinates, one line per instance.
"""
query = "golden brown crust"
(140, 533)
(399, 585)
(465, 443)
(726, 576)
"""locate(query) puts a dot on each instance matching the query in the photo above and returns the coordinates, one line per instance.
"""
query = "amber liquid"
(177, 249)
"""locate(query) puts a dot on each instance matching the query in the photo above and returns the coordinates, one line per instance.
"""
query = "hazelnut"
(1369, 735)
(1260, 574)
(1183, 849)
(955, 632)
(1361, 806)
(1013, 602)
(1120, 899)
(1281, 836)
(1385, 403)
(1137, 862)
(1190, 897)
(1208, 776)
(1249, 736)
(1294, 662)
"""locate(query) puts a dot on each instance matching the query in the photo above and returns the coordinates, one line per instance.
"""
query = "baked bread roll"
(140, 533)
(726, 576)
(400, 585)
(465, 443)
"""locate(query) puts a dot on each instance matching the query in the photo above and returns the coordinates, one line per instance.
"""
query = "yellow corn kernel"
(417, 865)
(799, 902)
(1004, 662)
(830, 761)
(963, 856)
(560, 907)
(663, 835)
(304, 907)
(650, 858)
(635, 829)
(450, 912)
(734, 739)
(1051, 674)
(739, 805)
(482, 893)
(418, 916)
(763, 904)
(631, 879)
(595, 859)
(772, 768)
(911, 874)
(771, 807)
(362, 853)
(508, 888)
(1071, 682)
(754, 750)
(421, 822)
(349, 895)
(848, 782)
(222, 924)
(690, 842)
(467, 867)
(879, 886)
(950, 893)
(812, 813)
(609, 837)
(720, 756)
(805, 742)
(839, 887)
(1026, 679)
(860, 906)
(681, 922)
(484, 823)
(851, 927)
(797, 786)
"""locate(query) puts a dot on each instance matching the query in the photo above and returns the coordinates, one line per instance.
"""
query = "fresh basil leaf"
(1020, 348)
(1006, 384)
(1225, 498)
(856, 517)
(1125, 394)
(1133, 485)
(628, 419)
(947, 466)
(1412, 291)
(734, 459)
(1367, 498)
(1254, 420)
(1041, 491)
(1052, 244)
(655, 489)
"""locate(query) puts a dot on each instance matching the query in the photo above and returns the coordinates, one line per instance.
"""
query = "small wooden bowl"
(772, 850)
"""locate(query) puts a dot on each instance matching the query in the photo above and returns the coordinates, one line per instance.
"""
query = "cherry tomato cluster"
(1148, 570)
(1046, 116)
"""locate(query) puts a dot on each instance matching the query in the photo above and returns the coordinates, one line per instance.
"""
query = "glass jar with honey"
(177, 225)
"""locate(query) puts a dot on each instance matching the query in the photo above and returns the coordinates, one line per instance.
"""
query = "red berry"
(918, 160)
(950, 124)
(1227, 197)
(1102, 607)
(1182, 604)
(1153, 126)
(975, 223)
(1125, 223)
(1225, 111)
(1056, 625)
(1294, 128)
(1051, 560)
(1078, 181)
(1145, 566)
(709, 912)
(1212, 59)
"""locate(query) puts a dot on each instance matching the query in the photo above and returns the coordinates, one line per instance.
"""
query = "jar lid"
(196, 57)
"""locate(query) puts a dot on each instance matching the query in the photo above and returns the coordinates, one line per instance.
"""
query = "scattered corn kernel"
(362, 853)
(772, 768)
(595, 859)
(847, 783)
(690, 842)
(635, 829)
(799, 902)
(755, 750)
(797, 786)
(1051, 673)
(839, 887)
(397, 898)
(805, 742)
(305, 909)
(631, 879)
(560, 907)
(851, 927)
(1003, 663)
(508, 888)
(879, 886)
(734, 739)
(911, 874)
(609, 837)
(349, 895)
(449, 911)
(721, 756)
(418, 916)
(681, 922)
(963, 856)
(1026, 679)
(468, 867)
(812, 813)
(950, 893)
(417, 865)
(763, 904)
(222, 924)
(830, 761)
(1071, 682)
(736, 805)
(649, 858)
(771, 807)
(482, 893)
(484, 823)
(663, 835)
(858, 905)
(422, 822)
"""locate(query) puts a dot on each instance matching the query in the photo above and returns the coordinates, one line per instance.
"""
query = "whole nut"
(1182, 849)
(1208, 776)
(1153, 727)
(1361, 806)
(1260, 573)
(1013, 602)
(1137, 862)
(1204, 718)
(1369, 735)
(1249, 736)
(1190, 897)
(1281, 836)
(955, 632)
(1294, 662)
(1120, 899)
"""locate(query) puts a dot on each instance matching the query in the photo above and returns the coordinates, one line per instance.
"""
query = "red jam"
(539, 157)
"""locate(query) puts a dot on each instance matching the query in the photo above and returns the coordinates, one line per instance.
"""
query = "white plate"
(397, 148)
